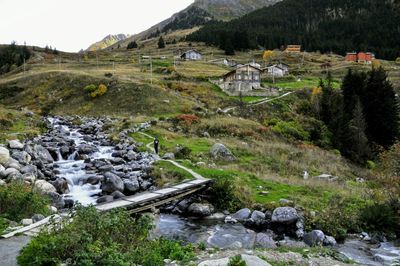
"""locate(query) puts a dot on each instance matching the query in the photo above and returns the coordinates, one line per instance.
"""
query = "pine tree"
(228, 47)
(161, 43)
(132, 45)
(357, 147)
(381, 109)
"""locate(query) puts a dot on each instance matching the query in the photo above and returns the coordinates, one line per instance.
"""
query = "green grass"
(305, 82)
(165, 173)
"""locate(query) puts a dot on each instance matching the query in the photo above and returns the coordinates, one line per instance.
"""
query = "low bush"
(291, 130)
(93, 238)
(380, 217)
(188, 119)
(236, 261)
(19, 201)
(96, 91)
(182, 152)
(225, 194)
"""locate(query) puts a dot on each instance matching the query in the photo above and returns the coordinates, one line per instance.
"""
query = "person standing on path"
(156, 142)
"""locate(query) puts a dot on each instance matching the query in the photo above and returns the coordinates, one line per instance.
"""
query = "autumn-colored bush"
(96, 91)
(188, 119)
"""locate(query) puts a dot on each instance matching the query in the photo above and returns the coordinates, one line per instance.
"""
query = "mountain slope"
(339, 26)
(198, 14)
(106, 42)
(230, 9)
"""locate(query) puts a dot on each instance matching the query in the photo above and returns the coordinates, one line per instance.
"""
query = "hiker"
(156, 145)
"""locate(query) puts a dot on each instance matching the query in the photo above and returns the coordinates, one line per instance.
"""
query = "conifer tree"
(381, 109)
(161, 43)
(357, 147)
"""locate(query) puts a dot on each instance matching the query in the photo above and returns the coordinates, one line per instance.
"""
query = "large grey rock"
(258, 217)
(61, 185)
(169, 156)
(37, 217)
(87, 149)
(242, 215)
(220, 152)
(285, 215)
(265, 241)
(12, 173)
(217, 262)
(329, 241)
(4, 155)
(314, 238)
(2, 183)
(112, 183)
(15, 144)
(252, 260)
(43, 154)
(131, 185)
(29, 169)
(22, 157)
(201, 209)
(104, 199)
(44, 187)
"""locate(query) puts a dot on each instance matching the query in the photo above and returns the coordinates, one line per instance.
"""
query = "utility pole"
(151, 70)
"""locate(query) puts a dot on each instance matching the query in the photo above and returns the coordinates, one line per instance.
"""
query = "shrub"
(225, 194)
(132, 45)
(18, 201)
(380, 217)
(96, 91)
(236, 261)
(291, 130)
(182, 152)
(90, 88)
(93, 238)
(398, 60)
(188, 120)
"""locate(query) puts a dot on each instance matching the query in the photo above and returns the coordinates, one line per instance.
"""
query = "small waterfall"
(72, 156)
(59, 156)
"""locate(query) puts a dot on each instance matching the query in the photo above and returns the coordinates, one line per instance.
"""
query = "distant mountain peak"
(107, 41)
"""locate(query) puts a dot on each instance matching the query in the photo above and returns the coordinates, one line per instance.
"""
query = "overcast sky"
(71, 25)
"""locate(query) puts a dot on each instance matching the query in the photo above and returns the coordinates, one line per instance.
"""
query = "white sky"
(71, 25)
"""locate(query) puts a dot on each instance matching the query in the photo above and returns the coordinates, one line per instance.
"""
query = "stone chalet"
(245, 80)
(191, 55)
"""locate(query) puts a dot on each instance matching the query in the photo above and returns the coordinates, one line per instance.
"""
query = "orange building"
(360, 57)
(293, 48)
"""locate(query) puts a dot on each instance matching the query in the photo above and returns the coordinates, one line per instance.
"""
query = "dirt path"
(157, 157)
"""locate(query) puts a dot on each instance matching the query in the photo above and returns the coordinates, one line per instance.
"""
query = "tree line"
(12, 56)
(328, 26)
(363, 116)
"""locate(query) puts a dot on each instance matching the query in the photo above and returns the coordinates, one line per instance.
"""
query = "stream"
(73, 167)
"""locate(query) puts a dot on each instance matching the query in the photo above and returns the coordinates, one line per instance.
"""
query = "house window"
(256, 77)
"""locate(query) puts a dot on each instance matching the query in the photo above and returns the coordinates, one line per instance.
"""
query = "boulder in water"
(314, 238)
(201, 209)
(43, 154)
(87, 149)
(242, 215)
(112, 183)
(131, 185)
(61, 185)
